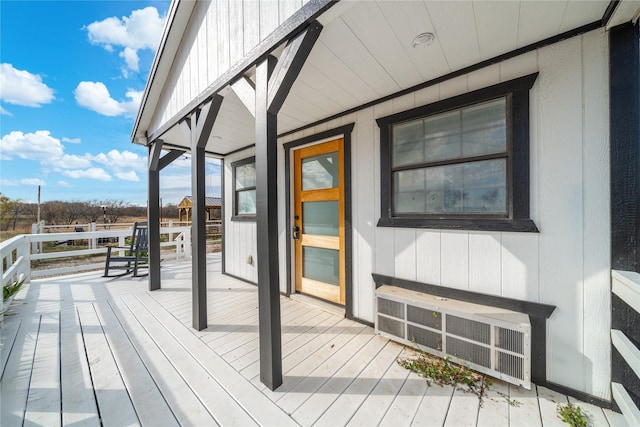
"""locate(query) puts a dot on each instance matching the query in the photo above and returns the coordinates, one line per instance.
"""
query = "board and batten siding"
(567, 264)
(240, 239)
(219, 34)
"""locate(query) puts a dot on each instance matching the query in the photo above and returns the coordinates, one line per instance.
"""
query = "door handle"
(296, 232)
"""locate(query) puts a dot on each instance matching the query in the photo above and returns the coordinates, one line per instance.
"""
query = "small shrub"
(9, 290)
(572, 415)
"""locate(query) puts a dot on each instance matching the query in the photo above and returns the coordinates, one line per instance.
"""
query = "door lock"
(296, 232)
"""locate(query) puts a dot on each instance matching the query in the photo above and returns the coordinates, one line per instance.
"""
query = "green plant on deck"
(572, 415)
(11, 289)
(444, 372)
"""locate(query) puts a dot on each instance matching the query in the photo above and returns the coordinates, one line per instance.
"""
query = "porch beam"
(290, 64)
(246, 92)
(153, 214)
(168, 158)
(197, 128)
(273, 83)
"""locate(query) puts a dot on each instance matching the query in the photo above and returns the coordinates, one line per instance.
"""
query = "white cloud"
(71, 140)
(127, 176)
(24, 181)
(20, 87)
(39, 145)
(125, 160)
(96, 97)
(141, 30)
(91, 173)
(130, 56)
(69, 161)
(5, 112)
(32, 181)
(64, 184)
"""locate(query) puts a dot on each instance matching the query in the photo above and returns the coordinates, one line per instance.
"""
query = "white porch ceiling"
(365, 52)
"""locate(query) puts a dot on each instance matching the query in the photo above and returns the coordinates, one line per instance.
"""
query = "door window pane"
(320, 218)
(320, 264)
(319, 172)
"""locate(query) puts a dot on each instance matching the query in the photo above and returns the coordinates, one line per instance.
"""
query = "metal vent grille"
(476, 331)
(498, 344)
(424, 337)
(391, 326)
(390, 307)
(430, 318)
(509, 364)
(468, 351)
(509, 339)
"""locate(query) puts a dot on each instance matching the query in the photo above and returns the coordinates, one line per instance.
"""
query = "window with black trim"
(460, 163)
(244, 189)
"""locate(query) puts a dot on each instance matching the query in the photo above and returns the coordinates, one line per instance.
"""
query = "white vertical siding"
(240, 236)
(566, 264)
(220, 33)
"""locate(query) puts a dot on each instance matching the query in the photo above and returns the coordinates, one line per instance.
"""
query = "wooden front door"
(318, 224)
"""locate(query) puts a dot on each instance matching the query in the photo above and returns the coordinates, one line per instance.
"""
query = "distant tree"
(91, 211)
(170, 211)
(72, 211)
(114, 209)
(9, 211)
(53, 212)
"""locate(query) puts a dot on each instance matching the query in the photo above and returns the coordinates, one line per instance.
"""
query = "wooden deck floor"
(85, 350)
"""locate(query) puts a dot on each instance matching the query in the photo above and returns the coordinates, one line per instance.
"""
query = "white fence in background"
(18, 253)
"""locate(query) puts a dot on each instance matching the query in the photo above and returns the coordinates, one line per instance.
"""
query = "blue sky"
(72, 75)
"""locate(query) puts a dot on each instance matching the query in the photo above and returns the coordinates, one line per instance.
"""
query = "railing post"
(187, 243)
(170, 233)
(23, 250)
(93, 243)
(34, 245)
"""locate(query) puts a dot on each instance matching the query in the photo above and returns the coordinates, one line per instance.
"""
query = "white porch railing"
(626, 285)
(18, 253)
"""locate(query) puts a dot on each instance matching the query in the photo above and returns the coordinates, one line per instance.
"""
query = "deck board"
(17, 374)
(84, 350)
(8, 335)
(185, 405)
(219, 403)
(43, 401)
(114, 402)
(150, 406)
(78, 400)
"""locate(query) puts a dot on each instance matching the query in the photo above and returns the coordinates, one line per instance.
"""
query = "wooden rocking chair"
(136, 256)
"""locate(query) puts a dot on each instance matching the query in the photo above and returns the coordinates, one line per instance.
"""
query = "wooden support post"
(153, 215)
(198, 128)
(270, 94)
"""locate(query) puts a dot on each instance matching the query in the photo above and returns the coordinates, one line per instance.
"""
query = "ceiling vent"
(491, 340)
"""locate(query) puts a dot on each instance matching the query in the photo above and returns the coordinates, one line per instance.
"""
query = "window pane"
(320, 218)
(245, 176)
(470, 131)
(320, 172)
(246, 202)
(476, 187)
(321, 264)
(408, 143)
(485, 128)
(410, 191)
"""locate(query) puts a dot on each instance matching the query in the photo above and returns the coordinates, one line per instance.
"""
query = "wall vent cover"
(490, 340)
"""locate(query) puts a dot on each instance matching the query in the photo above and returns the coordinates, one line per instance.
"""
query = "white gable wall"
(220, 33)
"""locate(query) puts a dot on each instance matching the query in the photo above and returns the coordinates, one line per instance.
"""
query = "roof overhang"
(365, 55)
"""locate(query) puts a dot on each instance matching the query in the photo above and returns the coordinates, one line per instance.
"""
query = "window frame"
(517, 218)
(236, 216)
